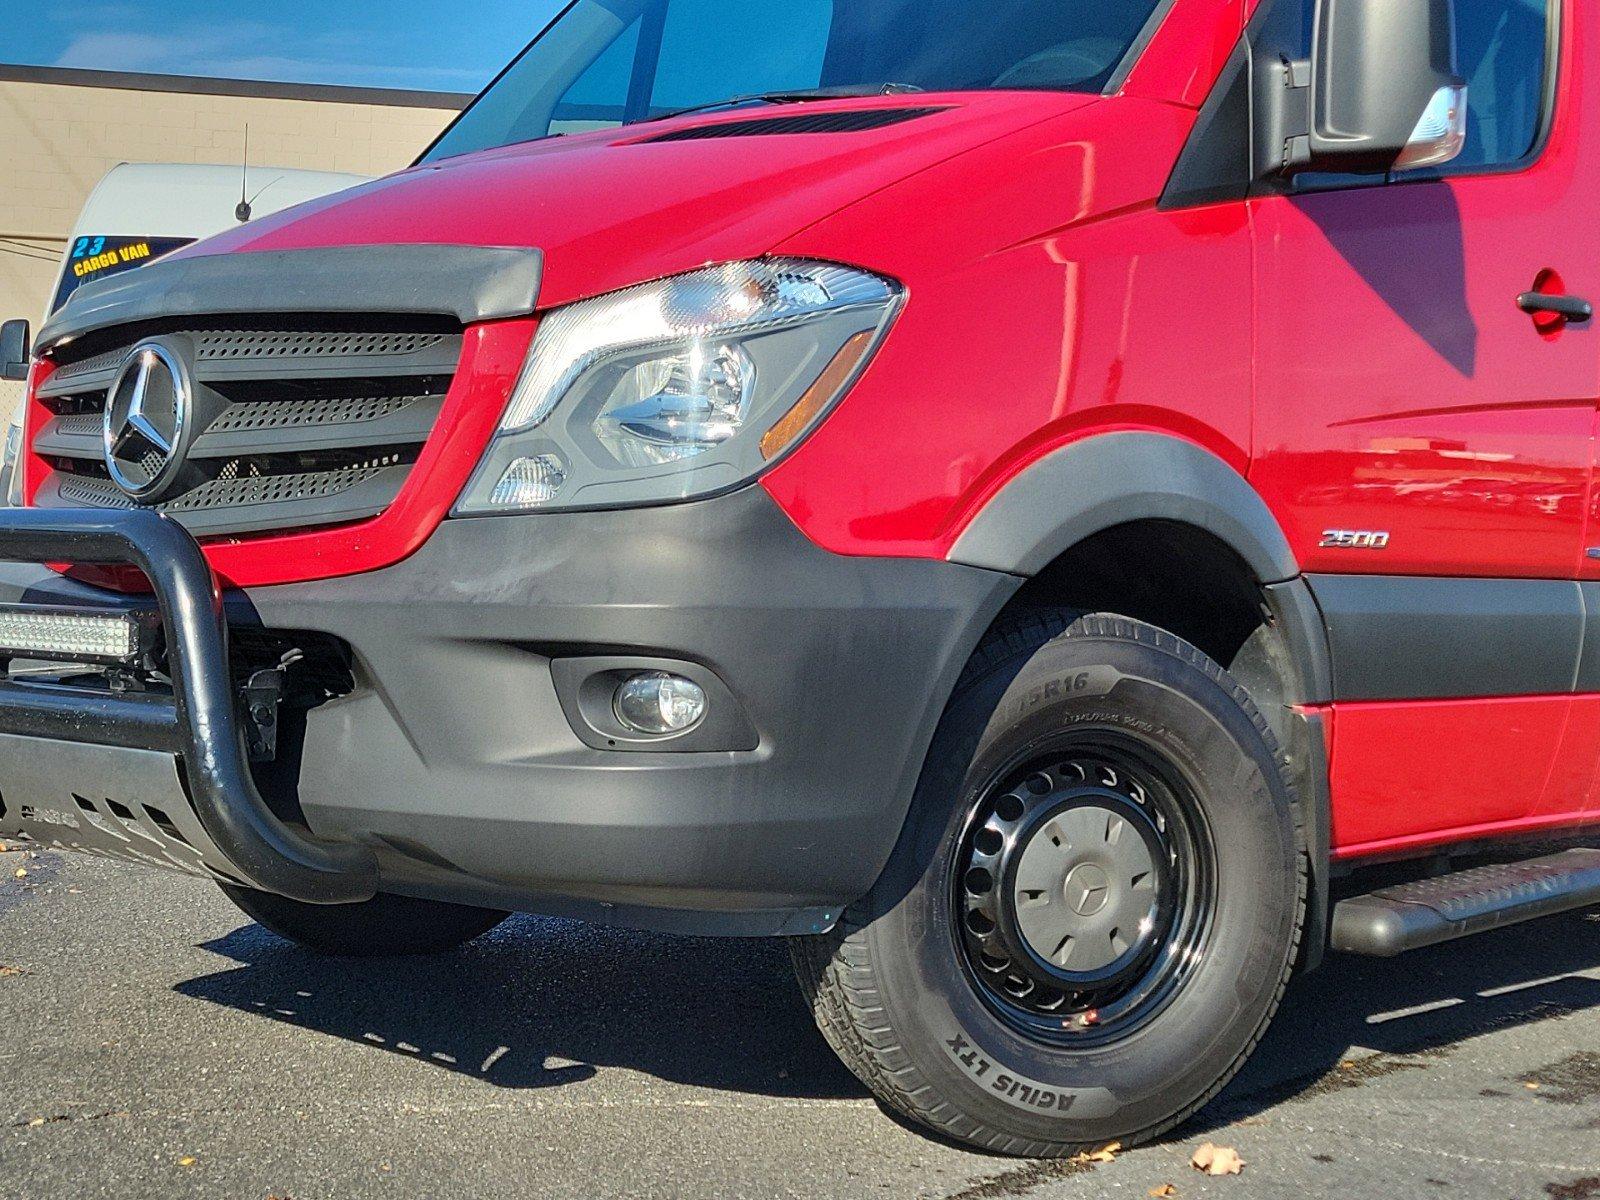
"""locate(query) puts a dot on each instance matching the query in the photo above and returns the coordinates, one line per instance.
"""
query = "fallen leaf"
(1103, 1155)
(188, 1160)
(1532, 1087)
(1217, 1160)
(1162, 1192)
(22, 872)
(35, 1123)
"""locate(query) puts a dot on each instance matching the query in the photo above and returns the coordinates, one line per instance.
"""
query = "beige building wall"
(62, 130)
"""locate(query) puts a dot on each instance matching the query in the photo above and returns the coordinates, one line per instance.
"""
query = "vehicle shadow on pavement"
(541, 1003)
(1359, 1019)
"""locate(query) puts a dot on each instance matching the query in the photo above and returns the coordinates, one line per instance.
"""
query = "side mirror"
(16, 346)
(1384, 91)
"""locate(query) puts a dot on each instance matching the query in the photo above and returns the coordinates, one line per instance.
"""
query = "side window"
(1505, 56)
(712, 49)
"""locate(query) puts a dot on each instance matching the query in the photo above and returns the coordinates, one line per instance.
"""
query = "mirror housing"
(1382, 87)
(16, 350)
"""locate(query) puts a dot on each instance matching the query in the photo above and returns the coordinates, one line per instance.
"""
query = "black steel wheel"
(1086, 879)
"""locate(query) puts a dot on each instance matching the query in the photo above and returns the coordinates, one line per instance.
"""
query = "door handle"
(1573, 309)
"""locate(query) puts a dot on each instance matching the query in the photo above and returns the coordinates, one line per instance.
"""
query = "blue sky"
(442, 45)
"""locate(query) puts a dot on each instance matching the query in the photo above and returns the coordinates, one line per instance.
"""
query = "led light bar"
(75, 634)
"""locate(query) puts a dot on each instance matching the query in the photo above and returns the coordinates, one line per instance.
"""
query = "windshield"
(605, 63)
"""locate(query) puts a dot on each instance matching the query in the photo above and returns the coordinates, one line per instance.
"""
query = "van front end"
(684, 715)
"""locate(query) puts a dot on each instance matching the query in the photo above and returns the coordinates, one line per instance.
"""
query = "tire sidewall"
(1161, 1071)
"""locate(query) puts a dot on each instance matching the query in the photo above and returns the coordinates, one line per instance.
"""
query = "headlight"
(680, 388)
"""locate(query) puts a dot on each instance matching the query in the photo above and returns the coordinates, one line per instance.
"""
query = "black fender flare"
(1113, 479)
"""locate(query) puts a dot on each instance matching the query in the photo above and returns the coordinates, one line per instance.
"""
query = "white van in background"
(141, 211)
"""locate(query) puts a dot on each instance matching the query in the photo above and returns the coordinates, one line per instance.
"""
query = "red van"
(1028, 499)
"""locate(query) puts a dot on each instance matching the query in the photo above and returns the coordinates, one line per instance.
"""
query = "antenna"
(243, 211)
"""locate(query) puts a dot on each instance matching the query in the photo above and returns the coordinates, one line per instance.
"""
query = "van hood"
(618, 207)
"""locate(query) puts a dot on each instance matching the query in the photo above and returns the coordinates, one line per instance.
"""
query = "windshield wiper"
(798, 96)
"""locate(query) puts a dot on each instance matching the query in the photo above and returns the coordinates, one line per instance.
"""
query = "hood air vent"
(826, 122)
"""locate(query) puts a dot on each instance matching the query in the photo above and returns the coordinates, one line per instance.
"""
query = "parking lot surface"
(154, 1043)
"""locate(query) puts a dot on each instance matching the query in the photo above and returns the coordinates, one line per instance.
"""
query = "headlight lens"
(677, 388)
(669, 409)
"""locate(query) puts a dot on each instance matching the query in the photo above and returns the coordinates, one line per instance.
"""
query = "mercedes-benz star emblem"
(147, 417)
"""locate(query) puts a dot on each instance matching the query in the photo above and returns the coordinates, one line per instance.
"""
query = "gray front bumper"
(456, 762)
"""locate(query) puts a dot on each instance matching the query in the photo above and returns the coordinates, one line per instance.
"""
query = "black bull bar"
(181, 762)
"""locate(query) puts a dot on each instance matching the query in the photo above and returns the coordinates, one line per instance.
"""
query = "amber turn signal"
(818, 396)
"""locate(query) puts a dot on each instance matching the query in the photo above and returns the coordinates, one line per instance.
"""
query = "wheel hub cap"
(1085, 889)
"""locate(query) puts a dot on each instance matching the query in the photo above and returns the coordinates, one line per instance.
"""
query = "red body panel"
(1417, 774)
(1077, 308)
(1402, 389)
(1186, 55)
(613, 208)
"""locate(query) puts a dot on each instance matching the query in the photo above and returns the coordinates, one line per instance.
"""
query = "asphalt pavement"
(154, 1043)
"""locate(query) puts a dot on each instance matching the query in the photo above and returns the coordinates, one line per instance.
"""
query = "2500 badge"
(1354, 539)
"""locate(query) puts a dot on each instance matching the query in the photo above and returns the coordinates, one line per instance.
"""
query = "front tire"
(383, 927)
(1095, 906)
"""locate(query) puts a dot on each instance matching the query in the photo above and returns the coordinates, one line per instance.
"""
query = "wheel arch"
(1116, 479)
(1155, 527)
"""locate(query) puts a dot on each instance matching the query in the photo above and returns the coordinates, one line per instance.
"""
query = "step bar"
(1395, 920)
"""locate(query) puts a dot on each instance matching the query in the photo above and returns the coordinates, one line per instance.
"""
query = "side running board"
(1394, 920)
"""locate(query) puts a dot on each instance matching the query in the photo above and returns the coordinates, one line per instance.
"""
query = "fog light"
(73, 635)
(658, 703)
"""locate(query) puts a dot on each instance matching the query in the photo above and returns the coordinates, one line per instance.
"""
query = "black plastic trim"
(841, 665)
(1113, 479)
(1214, 166)
(1299, 622)
(1415, 638)
(1588, 677)
(264, 852)
(470, 284)
(1308, 750)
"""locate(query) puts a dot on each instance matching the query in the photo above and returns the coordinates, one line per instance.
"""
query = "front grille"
(294, 428)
